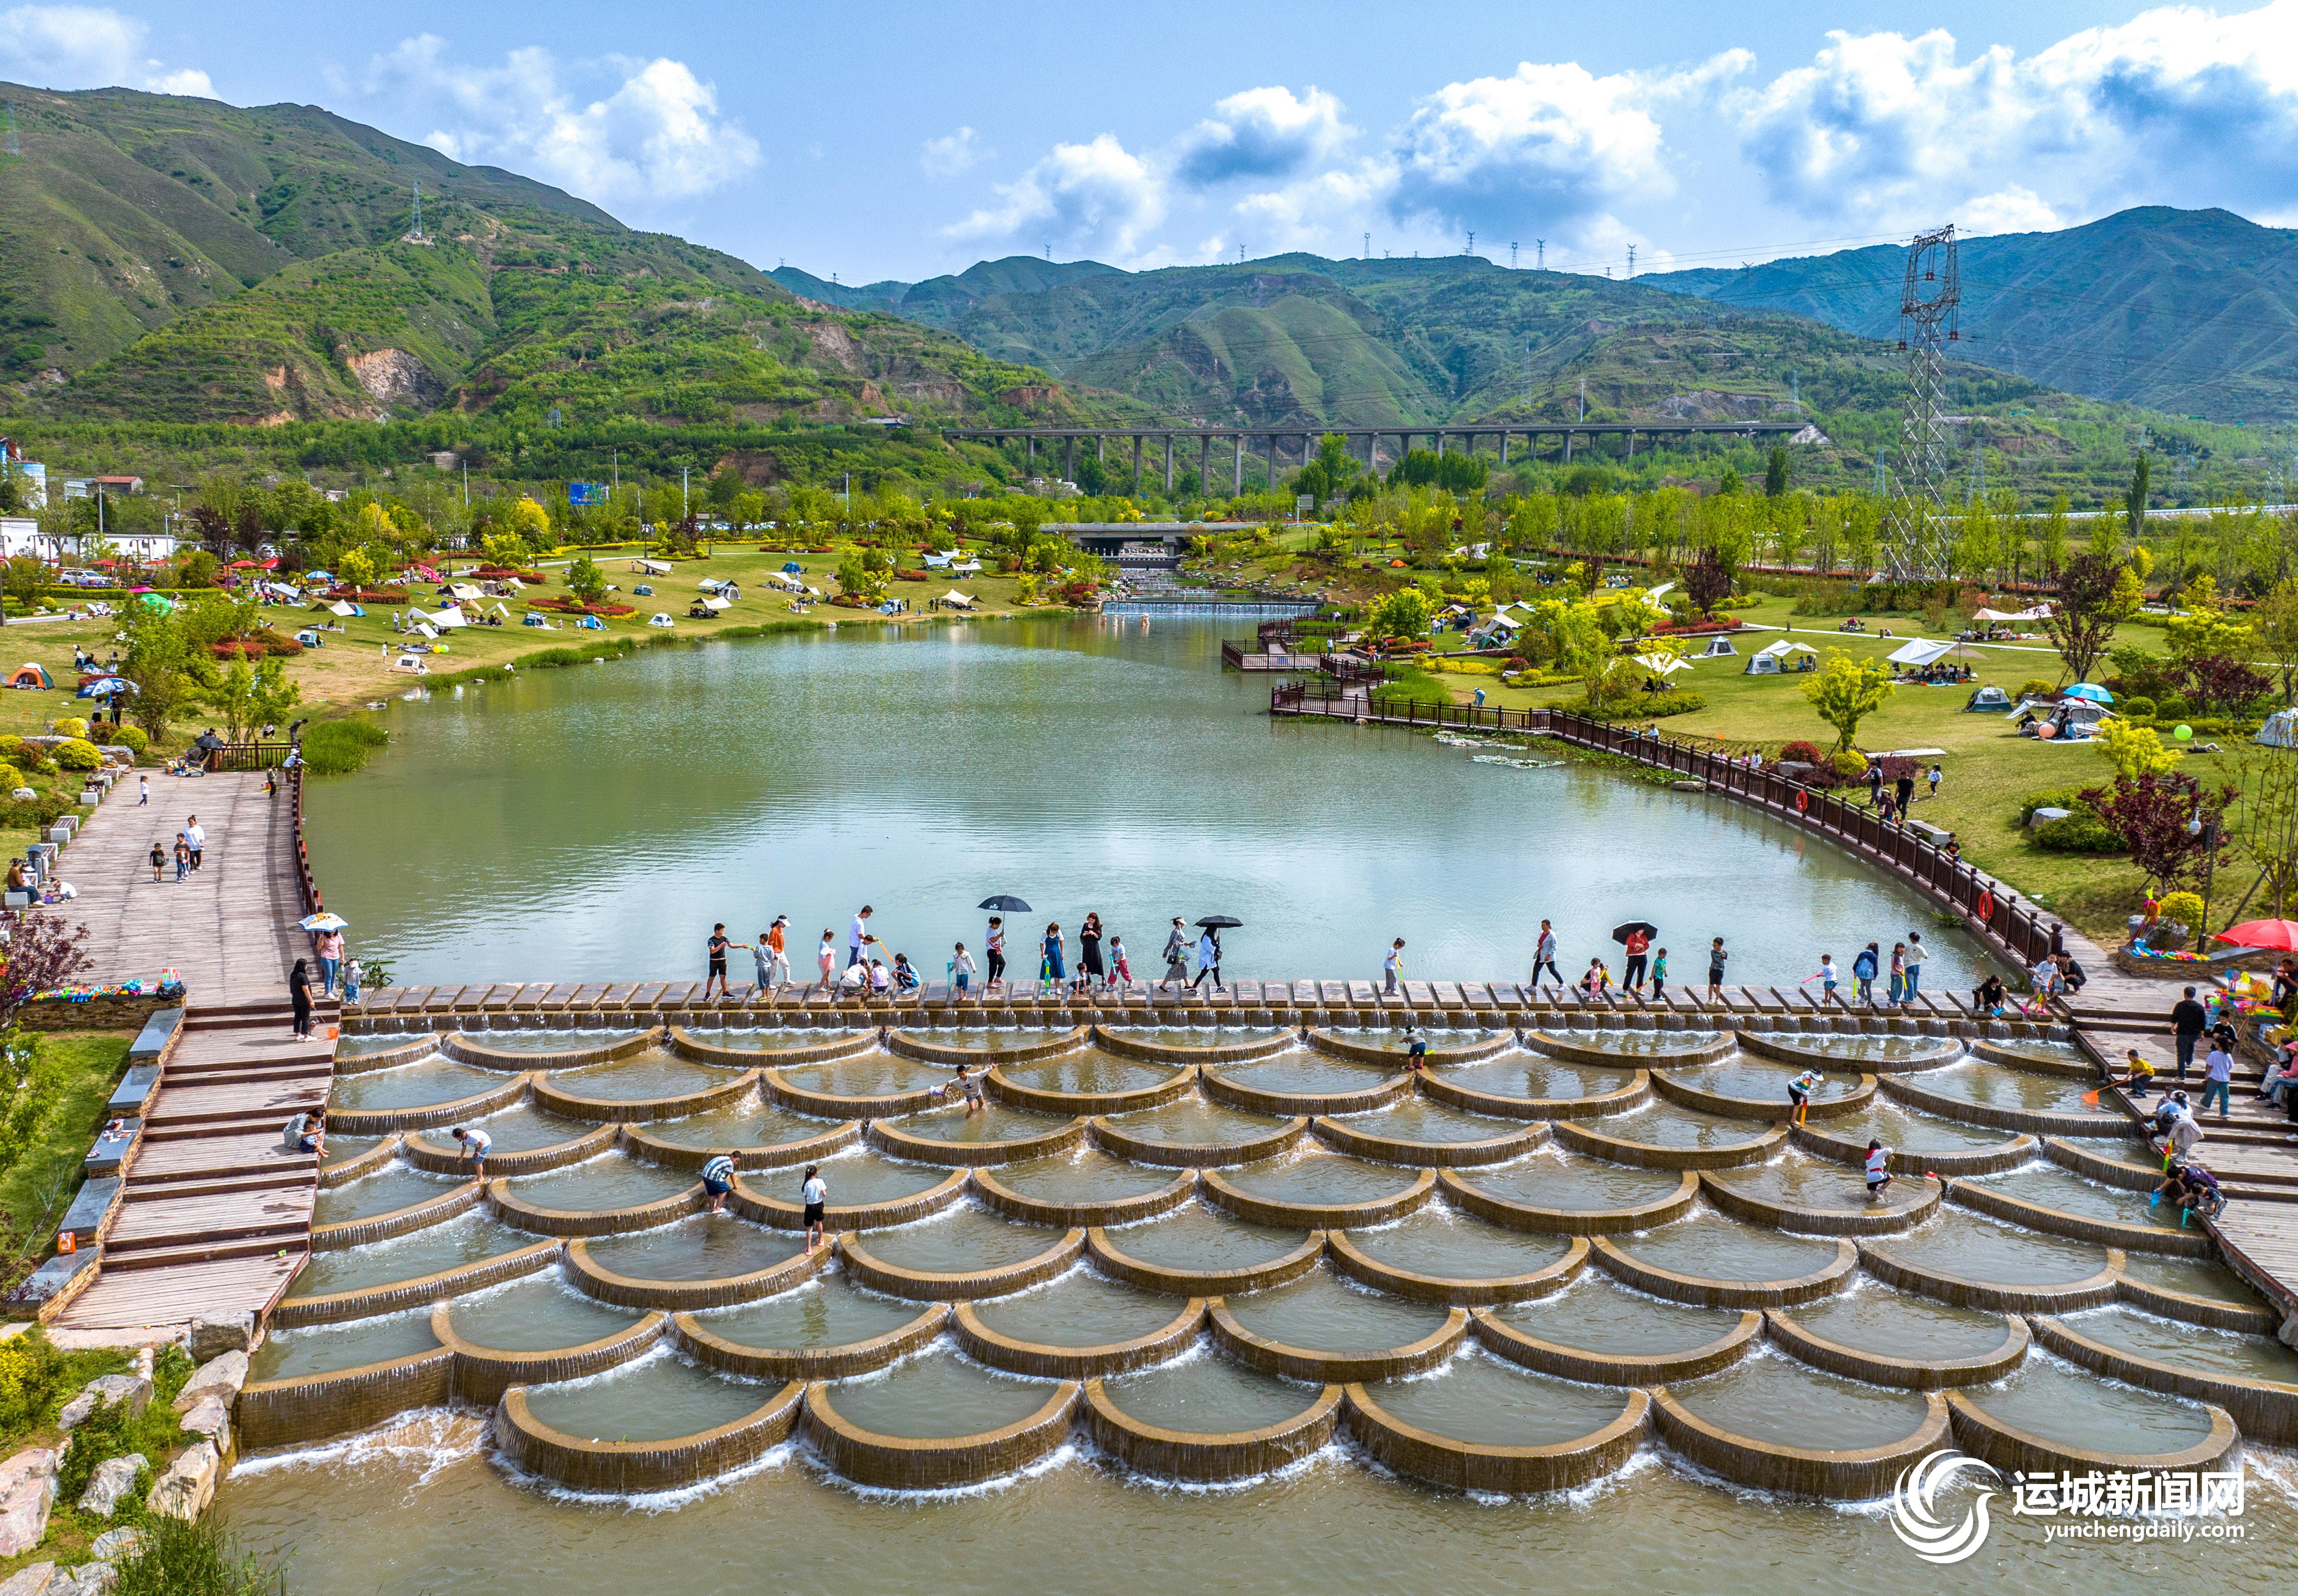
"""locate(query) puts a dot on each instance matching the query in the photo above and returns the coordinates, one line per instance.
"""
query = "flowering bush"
(1800, 752)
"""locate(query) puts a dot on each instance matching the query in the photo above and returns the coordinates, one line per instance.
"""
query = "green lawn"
(34, 1192)
(1988, 769)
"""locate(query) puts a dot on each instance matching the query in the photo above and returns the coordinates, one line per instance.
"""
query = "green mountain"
(170, 260)
(2193, 312)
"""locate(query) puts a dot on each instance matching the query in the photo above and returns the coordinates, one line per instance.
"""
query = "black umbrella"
(1005, 902)
(1620, 933)
(1221, 922)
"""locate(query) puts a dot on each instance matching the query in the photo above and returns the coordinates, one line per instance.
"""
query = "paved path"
(215, 1217)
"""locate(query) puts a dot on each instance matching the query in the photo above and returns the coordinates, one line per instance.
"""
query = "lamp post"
(2205, 828)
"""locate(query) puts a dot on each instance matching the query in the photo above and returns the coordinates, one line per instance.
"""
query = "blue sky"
(904, 140)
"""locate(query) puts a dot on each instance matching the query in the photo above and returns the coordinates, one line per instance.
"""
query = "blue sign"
(587, 492)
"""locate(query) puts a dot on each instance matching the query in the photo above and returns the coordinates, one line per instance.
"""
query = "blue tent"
(790, 567)
(591, 623)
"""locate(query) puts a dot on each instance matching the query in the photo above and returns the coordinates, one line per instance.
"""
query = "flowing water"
(923, 771)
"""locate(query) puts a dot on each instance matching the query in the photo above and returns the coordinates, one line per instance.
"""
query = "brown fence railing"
(2016, 930)
(249, 755)
(311, 903)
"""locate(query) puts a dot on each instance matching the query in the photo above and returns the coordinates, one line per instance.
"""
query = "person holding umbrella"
(1636, 937)
(993, 943)
(1209, 948)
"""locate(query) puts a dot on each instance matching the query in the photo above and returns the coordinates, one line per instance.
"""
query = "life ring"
(1803, 801)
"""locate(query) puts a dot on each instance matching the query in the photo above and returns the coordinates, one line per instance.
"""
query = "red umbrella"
(2261, 933)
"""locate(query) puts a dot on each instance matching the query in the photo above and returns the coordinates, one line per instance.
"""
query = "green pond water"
(596, 868)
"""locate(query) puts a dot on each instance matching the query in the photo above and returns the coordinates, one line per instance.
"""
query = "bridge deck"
(178, 1248)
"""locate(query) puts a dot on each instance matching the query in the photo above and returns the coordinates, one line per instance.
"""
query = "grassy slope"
(35, 1191)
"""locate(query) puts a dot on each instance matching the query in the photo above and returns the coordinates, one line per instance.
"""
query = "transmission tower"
(1915, 541)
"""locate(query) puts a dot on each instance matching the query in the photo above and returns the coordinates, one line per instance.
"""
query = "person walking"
(196, 835)
(718, 1180)
(961, 970)
(1715, 959)
(1874, 783)
(331, 960)
(1177, 956)
(857, 935)
(715, 971)
(1120, 968)
(2187, 1019)
(1906, 792)
(1898, 974)
(1659, 973)
(1913, 970)
(2217, 1080)
(159, 862)
(142, 790)
(1631, 973)
(1051, 969)
(474, 1145)
(1208, 959)
(969, 1090)
(1826, 979)
(299, 993)
(183, 857)
(352, 980)
(1934, 775)
(1090, 973)
(1391, 968)
(777, 941)
(815, 1194)
(1543, 956)
(826, 955)
(994, 945)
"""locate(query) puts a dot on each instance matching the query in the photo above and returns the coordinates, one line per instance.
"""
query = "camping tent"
(1659, 665)
(31, 673)
(957, 600)
(1921, 652)
(1989, 696)
(648, 567)
(1718, 647)
(2280, 730)
(464, 592)
(714, 602)
(342, 608)
(966, 567)
(2040, 612)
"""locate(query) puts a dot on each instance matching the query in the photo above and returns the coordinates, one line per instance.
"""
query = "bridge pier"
(1504, 443)
(1205, 464)
(1068, 465)
(1136, 462)
(1239, 486)
(1168, 465)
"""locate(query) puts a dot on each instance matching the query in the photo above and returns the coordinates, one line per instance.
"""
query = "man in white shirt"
(194, 834)
(858, 937)
(1392, 966)
(816, 1193)
(475, 1144)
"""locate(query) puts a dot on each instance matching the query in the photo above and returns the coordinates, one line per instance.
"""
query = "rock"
(89, 1579)
(114, 1478)
(212, 1337)
(2045, 815)
(211, 1416)
(28, 1491)
(185, 1491)
(116, 1545)
(223, 1377)
(40, 1579)
(113, 1390)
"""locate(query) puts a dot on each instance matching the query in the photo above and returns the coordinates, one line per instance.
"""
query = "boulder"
(134, 1390)
(113, 1479)
(2045, 815)
(211, 1416)
(116, 1545)
(212, 1337)
(27, 1492)
(40, 1579)
(89, 1579)
(222, 1377)
(185, 1491)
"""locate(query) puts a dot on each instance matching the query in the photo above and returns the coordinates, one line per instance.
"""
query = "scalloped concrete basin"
(959, 1241)
(659, 1397)
(1459, 1246)
(1597, 1315)
(1079, 1309)
(394, 1186)
(1517, 1073)
(826, 1311)
(1872, 1317)
(937, 1395)
(751, 1122)
(1086, 1175)
(419, 1085)
(1487, 1402)
(1205, 1393)
(540, 1314)
(703, 1246)
(1425, 1120)
(1786, 1403)
(1550, 1179)
(1194, 1122)
(1319, 1177)
(326, 1349)
(2071, 1408)
(1196, 1238)
(1712, 1247)
(465, 1239)
(1323, 1313)
(654, 1073)
(1981, 1249)
(607, 1181)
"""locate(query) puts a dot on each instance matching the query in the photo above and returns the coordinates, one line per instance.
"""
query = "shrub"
(2033, 687)
(1848, 762)
(2065, 798)
(2080, 833)
(1800, 752)
(9, 778)
(72, 725)
(1637, 707)
(2175, 708)
(2138, 709)
(338, 747)
(199, 1559)
(79, 753)
(2185, 907)
(133, 739)
(12, 748)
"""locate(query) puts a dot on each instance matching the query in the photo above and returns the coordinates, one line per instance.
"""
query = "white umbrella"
(322, 921)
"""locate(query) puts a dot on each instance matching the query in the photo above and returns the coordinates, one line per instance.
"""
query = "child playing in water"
(1118, 968)
(1879, 1168)
(1799, 1091)
(960, 969)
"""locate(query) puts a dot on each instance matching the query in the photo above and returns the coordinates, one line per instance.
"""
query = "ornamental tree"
(2152, 812)
(2091, 599)
(1845, 690)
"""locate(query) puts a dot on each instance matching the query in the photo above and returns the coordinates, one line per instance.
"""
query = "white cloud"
(1263, 132)
(2181, 104)
(657, 135)
(953, 153)
(1552, 144)
(1096, 198)
(87, 46)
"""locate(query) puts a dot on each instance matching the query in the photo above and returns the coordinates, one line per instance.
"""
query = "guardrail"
(1983, 904)
(310, 888)
(249, 755)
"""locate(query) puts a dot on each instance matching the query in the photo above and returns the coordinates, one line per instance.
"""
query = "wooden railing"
(2014, 928)
(248, 755)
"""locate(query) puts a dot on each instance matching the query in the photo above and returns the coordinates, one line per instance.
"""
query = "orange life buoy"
(1803, 801)
(66, 1242)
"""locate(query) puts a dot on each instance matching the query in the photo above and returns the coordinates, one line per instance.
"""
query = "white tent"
(2280, 730)
(648, 567)
(448, 618)
(714, 602)
(2040, 612)
(464, 593)
(341, 608)
(957, 600)
(1921, 652)
(426, 628)
(1718, 647)
(938, 561)
(967, 567)
(1783, 649)
(1659, 665)
(1766, 663)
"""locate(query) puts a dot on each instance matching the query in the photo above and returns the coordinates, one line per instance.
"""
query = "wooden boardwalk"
(215, 1217)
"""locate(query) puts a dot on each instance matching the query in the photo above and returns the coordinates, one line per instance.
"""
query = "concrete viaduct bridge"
(1277, 441)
